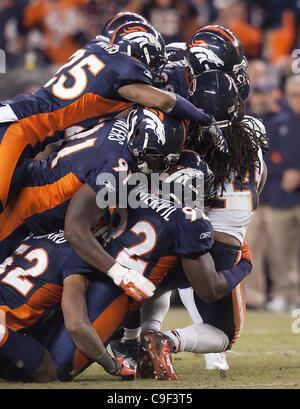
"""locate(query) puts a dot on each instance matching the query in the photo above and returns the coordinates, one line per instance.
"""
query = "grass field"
(267, 356)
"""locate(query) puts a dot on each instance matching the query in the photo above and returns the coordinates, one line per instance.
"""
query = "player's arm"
(174, 105)
(82, 215)
(76, 318)
(168, 102)
(79, 326)
(209, 284)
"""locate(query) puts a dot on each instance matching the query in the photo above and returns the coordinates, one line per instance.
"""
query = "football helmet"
(154, 139)
(121, 18)
(217, 48)
(176, 51)
(191, 181)
(217, 93)
(141, 40)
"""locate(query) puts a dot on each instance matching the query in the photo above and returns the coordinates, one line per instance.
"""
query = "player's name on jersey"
(163, 207)
(118, 132)
(106, 46)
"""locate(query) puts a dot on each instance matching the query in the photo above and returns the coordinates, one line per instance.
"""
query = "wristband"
(236, 274)
(184, 109)
(117, 272)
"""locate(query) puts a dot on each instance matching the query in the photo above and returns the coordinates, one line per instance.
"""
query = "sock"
(22, 350)
(153, 325)
(131, 334)
(109, 364)
(199, 338)
(154, 311)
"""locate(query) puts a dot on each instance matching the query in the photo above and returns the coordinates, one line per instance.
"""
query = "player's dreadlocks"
(244, 140)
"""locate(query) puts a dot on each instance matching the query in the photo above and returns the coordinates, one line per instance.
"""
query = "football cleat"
(126, 371)
(144, 368)
(128, 349)
(216, 361)
(158, 347)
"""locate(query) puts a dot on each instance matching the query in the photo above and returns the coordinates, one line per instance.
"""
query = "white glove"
(133, 283)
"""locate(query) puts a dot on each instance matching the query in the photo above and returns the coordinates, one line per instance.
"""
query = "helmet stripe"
(224, 33)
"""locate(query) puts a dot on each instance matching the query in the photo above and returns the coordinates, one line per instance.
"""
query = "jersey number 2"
(127, 255)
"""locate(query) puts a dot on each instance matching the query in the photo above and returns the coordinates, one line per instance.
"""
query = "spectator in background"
(12, 38)
(283, 185)
(97, 12)
(176, 20)
(262, 104)
(61, 23)
(233, 14)
(280, 30)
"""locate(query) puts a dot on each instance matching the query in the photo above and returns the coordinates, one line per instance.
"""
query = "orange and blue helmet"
(217, 48)
(121, 18)
(140, 40)
(155, 139)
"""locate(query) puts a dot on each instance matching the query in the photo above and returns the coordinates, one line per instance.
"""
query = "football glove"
(215, 133)
(133, 283)
(246, 254)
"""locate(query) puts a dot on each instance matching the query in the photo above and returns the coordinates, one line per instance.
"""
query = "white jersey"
(235, 207)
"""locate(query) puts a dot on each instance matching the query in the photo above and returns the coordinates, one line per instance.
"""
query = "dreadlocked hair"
(244, 140)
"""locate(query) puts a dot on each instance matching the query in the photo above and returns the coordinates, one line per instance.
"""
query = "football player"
(98, 81)
(239, 179)
(30, 301)
(150, 240)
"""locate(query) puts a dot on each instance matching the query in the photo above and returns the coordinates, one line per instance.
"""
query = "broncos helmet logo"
(204, 54)
(141, 36)
(154, 122)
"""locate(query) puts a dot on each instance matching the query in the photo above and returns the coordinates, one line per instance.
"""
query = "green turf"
(267, 355)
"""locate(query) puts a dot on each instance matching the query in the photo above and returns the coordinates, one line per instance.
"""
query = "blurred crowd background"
(40, 35)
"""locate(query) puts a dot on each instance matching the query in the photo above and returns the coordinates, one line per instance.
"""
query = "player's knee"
(46, 372)
(217, 339)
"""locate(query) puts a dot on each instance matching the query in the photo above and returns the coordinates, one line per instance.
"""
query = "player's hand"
(133, 283)
(214, 132)
(246, 254)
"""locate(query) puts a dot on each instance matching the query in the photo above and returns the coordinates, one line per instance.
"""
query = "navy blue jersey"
(31, 280)
(82, 91)
(150, 239)
(51, 183)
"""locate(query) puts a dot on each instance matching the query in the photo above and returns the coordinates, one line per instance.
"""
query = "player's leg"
(27, 355)
(107, 306)
(155, 359)
(216, 325)
(200, 337)
(14, 157)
